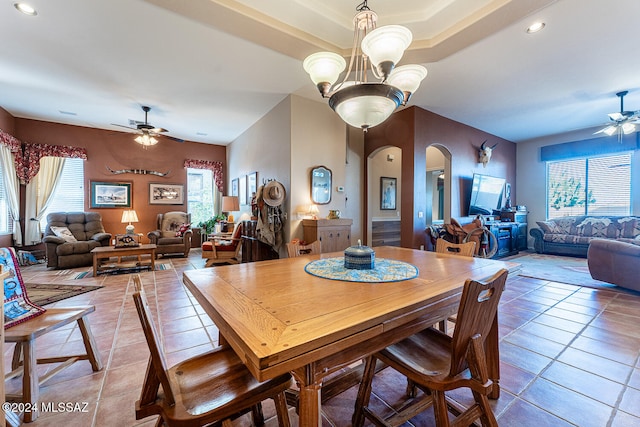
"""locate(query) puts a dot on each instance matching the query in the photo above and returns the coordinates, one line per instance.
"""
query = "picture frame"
(252, 185)
(242, 190)
(110, 194)
(166, 194)
(234, 187)
(388, 193)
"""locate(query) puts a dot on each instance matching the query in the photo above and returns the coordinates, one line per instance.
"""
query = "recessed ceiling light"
(535, 27)
(25, 8)
(68, 113)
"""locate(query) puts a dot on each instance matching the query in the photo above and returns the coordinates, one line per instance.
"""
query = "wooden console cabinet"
(334, 234)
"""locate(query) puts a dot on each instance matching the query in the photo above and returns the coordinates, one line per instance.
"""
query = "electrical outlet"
(420, 214)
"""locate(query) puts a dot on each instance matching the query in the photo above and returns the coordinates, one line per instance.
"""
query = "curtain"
(12, 190)
(39, 194)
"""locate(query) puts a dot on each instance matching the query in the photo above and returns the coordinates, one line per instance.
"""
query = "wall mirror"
(320, 185)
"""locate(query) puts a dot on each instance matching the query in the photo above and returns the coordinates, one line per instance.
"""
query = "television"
(486, 194)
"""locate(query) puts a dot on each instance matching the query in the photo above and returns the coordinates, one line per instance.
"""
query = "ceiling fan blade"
(158, 130)
(616, 117)
(123, 126)
(173, 138)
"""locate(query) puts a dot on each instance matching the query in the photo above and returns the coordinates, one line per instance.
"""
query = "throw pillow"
(549, 227)
(182, 229)
(65, 233)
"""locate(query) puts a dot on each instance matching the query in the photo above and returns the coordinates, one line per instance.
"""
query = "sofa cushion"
(64, 233)
(549, 227)
(629, 227)
(598, 227)
(76, 248)
(566, 238)
(171, 223)
(172, 240)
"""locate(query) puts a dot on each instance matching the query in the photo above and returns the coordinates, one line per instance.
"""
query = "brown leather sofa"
(615, 262)
(86, 229)
(165, 237)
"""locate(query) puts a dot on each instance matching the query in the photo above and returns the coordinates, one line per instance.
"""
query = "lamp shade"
(386, 44)
(628, 128)
(230, 203)
(407, 78)
(129, 216)
(366, 105)
(324, 67)
(146, 140)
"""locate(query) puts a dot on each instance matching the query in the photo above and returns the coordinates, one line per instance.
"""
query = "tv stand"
(507, 236)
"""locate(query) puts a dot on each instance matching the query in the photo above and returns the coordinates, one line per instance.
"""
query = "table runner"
(386, 270)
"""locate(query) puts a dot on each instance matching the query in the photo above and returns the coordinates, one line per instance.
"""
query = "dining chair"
(296, 249)
(462, 249)
(438, 363)
(25, 335)
(212, 387)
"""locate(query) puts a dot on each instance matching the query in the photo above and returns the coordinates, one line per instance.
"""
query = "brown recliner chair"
(70, 236)
(614, 262)
(166, 238)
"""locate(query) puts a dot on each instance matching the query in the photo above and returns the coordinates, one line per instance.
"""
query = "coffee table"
(106, 252)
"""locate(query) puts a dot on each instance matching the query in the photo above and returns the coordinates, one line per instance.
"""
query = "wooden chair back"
(478, 308)
(463, 249)
(157, 369)
(296, 249)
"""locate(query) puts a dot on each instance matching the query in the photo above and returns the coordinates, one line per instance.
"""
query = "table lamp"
(129, 216)
(314, 211)
(230, 204)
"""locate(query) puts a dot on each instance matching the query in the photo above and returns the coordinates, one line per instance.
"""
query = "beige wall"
(378, 167)
(287, 143)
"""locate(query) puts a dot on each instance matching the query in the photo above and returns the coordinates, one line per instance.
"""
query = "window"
(589, 186)
(6, 222)
(199, 194)
(69, 195)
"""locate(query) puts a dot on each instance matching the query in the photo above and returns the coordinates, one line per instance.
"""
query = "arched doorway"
(384, 171)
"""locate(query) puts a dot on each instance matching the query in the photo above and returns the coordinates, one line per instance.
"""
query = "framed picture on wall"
(110, 194)
(234, 187)
(166, 194)
(242, 190)
(252, 185)
(387, 193)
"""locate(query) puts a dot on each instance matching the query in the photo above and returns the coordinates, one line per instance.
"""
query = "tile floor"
(570, 355)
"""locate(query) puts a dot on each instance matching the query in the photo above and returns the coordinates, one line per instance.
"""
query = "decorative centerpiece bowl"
(359, 257)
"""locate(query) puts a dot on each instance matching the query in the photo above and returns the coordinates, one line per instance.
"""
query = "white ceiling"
(211, 68)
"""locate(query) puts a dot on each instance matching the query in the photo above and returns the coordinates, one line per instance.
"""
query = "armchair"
(167, 237)
(69, 238)
(223, 250)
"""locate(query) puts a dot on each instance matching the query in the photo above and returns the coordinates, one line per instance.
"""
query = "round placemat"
(386, 270)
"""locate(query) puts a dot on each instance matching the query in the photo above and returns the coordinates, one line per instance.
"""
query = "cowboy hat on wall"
(273, 193)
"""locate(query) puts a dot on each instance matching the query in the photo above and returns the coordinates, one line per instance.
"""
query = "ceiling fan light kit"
(357, 101)
(147, 132)
(624, 122)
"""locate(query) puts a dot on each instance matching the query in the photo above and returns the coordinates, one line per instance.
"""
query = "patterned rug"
(45, 293)
(124, 270)
(571, 270)
(385, 270)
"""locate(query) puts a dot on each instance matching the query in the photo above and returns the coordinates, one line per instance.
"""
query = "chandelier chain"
(362, 6)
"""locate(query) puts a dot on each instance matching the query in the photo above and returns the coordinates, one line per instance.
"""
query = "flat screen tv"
(486, 194)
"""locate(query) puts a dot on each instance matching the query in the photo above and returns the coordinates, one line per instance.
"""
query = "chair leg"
(17, 356)
(440, 409)
(30, 386)
(282, 410)
(364, 392)
(257, 415)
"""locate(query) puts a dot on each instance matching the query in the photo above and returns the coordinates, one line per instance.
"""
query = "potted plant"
(209, 225)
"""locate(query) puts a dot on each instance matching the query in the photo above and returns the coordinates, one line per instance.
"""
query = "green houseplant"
(209, 225)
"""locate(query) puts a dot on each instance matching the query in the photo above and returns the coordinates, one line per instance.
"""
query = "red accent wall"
(413, 130)
(7, 124)
(118, 150)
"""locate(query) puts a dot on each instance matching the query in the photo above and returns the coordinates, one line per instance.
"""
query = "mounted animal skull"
(484, 154)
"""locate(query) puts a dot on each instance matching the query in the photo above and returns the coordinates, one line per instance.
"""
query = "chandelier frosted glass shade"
(366, 105)
(407, 78)
(324, 69)
(385, 46)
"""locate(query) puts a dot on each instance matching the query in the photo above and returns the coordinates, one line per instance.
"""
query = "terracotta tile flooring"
(569, 354)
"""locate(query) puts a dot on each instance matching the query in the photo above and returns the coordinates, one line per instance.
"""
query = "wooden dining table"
(278, 318)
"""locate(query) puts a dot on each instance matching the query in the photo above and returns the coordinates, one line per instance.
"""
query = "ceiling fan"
(147, 132)
(624, 122)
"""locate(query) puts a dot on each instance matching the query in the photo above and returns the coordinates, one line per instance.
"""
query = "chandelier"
(359, 102)
(146, 139)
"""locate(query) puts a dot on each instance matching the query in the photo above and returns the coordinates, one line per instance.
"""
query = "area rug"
(127, 270)
(571, 270)
(45, 293)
